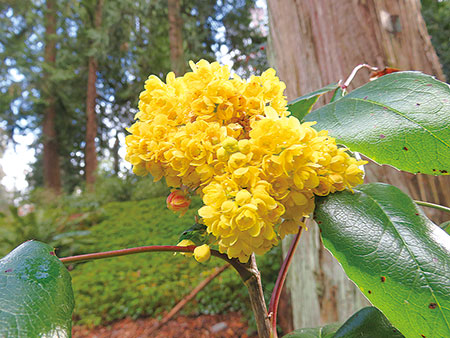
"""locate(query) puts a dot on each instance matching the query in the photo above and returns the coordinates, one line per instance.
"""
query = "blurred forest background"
(70, 76)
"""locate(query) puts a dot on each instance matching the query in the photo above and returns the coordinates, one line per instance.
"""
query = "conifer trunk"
(91, 98)
(51, 166)
(176, 37)
(317, 42)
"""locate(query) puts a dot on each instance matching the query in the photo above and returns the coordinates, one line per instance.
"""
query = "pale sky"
(15, 163)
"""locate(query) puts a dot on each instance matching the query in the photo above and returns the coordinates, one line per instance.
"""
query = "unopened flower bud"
(178, 201)
(202, 253)
(230, 144)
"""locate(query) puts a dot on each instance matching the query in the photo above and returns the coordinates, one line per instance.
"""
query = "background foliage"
(151, 283)
(122, 213)
(435, 14)
(131, 43)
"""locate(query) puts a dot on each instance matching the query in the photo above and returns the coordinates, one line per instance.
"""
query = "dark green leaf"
(197, 234)
(368, 322)
(318, 332)
(302, 105)
(399, 259)
(401, 119)
(36, 298)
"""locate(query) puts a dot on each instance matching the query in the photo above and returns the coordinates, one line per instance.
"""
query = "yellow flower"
(233, 143)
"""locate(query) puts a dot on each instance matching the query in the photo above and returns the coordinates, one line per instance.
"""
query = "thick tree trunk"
(91, 123)
(51, 166)
(317, 42)
(176, 37)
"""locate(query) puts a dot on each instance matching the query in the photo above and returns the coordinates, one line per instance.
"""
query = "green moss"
(151, 283)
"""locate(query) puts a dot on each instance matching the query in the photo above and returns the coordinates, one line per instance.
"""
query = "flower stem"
(123, 252)
(275, 298)
(432, 205)
(240, 268)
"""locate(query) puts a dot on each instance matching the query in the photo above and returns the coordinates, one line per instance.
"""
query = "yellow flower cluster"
(232, 141)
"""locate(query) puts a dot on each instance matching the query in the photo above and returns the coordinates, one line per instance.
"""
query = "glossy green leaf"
(401, 119)
(196, 233)
(398, 257)
(36, 298)
(318, 332)
(368, 322)
(302, 105)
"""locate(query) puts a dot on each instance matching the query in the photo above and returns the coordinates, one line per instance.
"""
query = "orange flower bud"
(178, 201)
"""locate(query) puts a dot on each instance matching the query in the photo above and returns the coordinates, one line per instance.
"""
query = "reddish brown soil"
(205, 326)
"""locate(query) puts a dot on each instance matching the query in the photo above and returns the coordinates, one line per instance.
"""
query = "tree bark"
(51, 166)
(91, 123)
(317, 42)
(116, 156)
(176, 37)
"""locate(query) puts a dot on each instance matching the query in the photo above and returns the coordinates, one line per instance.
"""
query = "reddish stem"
(123, 252)
(275, 298)
(240, 268)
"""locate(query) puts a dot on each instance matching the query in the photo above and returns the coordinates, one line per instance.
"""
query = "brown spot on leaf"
(432, 306)
(404, 148)
(382, 136)
(319, 222)
(423, 336)
(9, 270)
(443, 171)
(417, 104)
(417, 214)
(52, 253)
(369, 291)
(365, 98)
(383, 279)
(429, 85)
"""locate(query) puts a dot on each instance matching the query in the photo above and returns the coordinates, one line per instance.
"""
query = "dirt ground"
(205, 326)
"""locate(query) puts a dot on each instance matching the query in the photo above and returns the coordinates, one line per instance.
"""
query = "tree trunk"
(91, 123)
(175, 37)
(116, 156)
(51, 166)
(317, 42)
